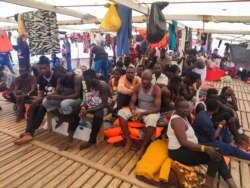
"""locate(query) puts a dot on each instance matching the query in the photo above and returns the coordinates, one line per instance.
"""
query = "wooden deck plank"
(245, 175)
(64, 174)
(31, 173)
(19, 160)
(18, 175)
(13, 151)
(235, 172)
(73, 177)
(83, 178)
(52, 174)
(23, 164)
(36, 178)
(16, 156)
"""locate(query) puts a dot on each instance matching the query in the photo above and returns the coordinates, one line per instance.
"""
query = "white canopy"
(189, 13)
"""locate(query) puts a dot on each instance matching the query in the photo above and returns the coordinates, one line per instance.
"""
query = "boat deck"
(41, 164)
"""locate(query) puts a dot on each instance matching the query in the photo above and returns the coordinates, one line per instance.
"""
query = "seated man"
(228, 114)
(25, 87)
(173, 70)
(207, 134)
(97, 89)
(148, 97)
(47, 84)
(164, 59)
(191, 84)
(7, 85)
(126, 85)
(228, 98)
(139, 70)
(66, 95)
(159, 78)
(171, 93)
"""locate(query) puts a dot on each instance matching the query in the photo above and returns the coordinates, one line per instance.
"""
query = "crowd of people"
(138, 88)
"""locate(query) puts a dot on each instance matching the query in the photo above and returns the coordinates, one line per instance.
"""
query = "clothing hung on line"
(42, 31)
(20, 25)
(125, 31)
(5, 45)
(172, 32)
(86, 41)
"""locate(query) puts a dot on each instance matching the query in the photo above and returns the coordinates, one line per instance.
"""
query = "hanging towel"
(21, 27)
(5, 45)
(125, 31)
(42, 31)
(156, 26)
(172, 32)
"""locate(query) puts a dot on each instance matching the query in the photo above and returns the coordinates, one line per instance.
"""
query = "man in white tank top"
(147, 110)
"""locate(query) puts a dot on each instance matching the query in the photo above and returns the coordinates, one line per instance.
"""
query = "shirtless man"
(148, 97)
(171, 93)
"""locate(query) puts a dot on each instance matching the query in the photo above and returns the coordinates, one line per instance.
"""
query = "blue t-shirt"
(203, 127)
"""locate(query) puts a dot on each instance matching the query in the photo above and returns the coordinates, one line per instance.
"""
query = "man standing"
(68, 53)
(100, 57)
(47, 84)
(148, 108)
(126, 85)
(159, 78)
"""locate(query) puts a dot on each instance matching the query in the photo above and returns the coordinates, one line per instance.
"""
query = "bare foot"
(245, 138)
(22, 135)
(128, 145)
(244, 146)
(25, 139)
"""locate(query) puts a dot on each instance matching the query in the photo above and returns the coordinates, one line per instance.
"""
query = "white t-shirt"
(163, 79)
(173, 142)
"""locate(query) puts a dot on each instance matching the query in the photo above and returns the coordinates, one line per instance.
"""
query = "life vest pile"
(136, 130)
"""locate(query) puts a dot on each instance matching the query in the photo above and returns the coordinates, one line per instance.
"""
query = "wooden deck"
(41, 164)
